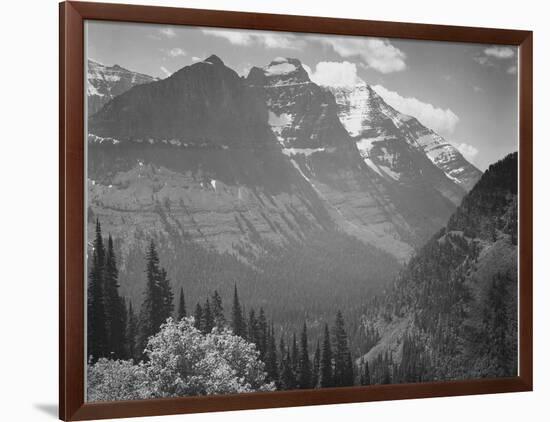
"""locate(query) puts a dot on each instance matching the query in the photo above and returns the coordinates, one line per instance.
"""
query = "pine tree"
(237, 319)
(182, 312)
(217, 310)
(304, 364)
(166, 297)
(288, 379)
(158, 301)
(253, 328)
(115, 311)
(271, 364)
(343, 365)
(326, 377)
(294, 355)
(199, 318)
(262, 334)
(131, 334)
(96, 322)
(365, 375)
(349, 375)
(208, 318)
(316, 366)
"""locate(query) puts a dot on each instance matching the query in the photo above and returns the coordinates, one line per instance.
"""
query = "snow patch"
(282, 68)
(304, 151)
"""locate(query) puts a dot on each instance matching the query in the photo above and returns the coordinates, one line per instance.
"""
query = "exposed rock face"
(193, 156)
(106, 82)
(396, 204)
(251, 180)
(192, 162)
(395, 145)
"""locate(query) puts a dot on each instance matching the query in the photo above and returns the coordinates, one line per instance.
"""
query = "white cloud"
(168, 32)
(165, 71)
(334, 74)
(441, 120)
(376, 53)
(467, 150)
(195, 59)
(484, 61)
(176, 52)
(266, 39)
(512, 70)
(499, 52)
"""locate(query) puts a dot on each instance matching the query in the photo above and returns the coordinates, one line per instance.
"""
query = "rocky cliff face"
(256, 181)
(399, 147)
(192, 162)
(193, 156)
(396, 203)
(106, 82)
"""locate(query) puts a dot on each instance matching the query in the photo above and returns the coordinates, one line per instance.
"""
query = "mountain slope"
(106, 82)
(396, 145)
(377, 207)
(455, 303)
(192, 162)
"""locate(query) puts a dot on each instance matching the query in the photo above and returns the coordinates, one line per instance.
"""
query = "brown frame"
(71, 209)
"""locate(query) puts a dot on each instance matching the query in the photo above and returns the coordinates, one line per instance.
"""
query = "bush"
(182, 361)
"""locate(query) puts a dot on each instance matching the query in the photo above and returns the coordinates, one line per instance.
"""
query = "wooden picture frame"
(72, 405)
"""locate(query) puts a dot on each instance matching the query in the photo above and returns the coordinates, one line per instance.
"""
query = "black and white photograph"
(270, 211)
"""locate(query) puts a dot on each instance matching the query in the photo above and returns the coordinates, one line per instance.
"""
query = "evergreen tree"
(131, 334)
(294, 355)
(282, 354)
(253, 334)
(364, 378)
(208, 318)
(316, 366)
(96, 321)
(158, 301)
(271, 364)
(326, 377)
(217, 310)
(166, 297)
(199, 318)
(262, 334)
(237, 319)
(304, 364)
(288, 379)
(343, 366)
(182, 312)
(115, 309)
(349, 375)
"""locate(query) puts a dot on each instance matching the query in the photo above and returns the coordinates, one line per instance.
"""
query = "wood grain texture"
(72, 405)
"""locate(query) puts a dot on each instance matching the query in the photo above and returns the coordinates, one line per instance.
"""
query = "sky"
(468, 93)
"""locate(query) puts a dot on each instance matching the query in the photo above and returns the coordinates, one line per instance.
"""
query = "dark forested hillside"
(452, 313)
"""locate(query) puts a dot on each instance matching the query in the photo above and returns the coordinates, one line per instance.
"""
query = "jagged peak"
(280, 71)
(283, 66)
(215, 60)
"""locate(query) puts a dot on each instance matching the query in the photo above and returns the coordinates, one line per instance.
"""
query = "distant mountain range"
(106, 82)
(260, 166)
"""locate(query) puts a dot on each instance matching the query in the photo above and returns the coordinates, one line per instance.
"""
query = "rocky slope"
(106, 82)
(396, 145)
(192, 162)
(396, 204)
(452, 314)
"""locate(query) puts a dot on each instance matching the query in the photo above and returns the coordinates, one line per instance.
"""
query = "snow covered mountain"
(192, 162)
(388, 141)
(393, 196)
(106, 82)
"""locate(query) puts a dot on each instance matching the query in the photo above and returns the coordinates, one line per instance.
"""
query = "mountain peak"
(281, 71)
(215, 60)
